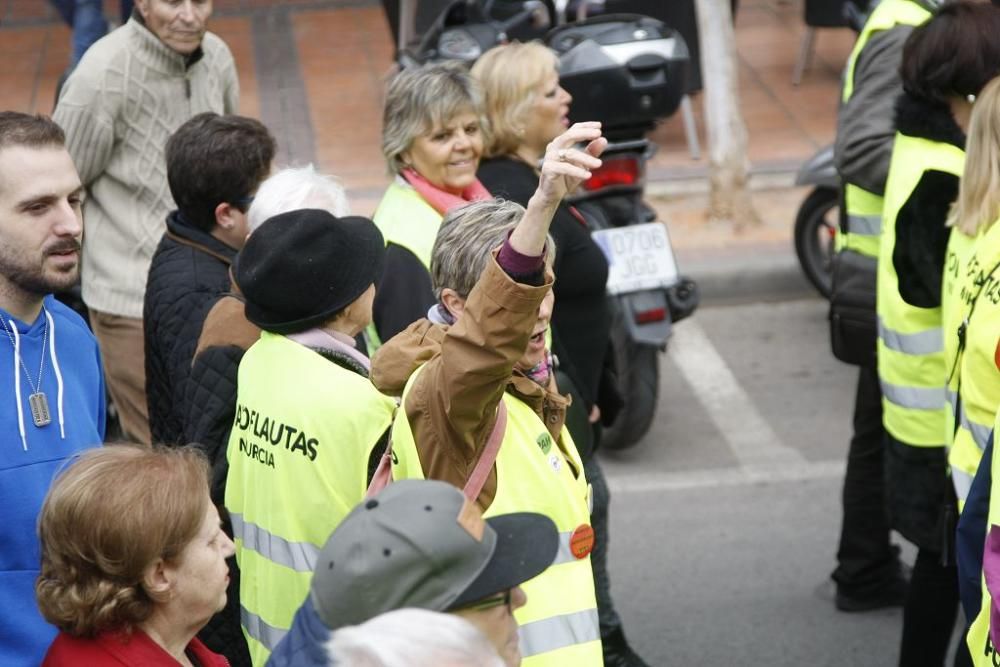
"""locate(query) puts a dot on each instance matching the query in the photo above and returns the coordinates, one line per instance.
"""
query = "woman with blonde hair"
(526, 108)
(971, 316)
(133, 559)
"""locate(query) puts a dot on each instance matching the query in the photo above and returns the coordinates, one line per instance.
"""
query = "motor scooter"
(627, 71)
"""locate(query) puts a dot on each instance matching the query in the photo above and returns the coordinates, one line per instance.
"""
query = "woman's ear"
(452, 301)
(157, 580)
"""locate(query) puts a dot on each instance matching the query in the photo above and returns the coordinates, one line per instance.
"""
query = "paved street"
(725, 518)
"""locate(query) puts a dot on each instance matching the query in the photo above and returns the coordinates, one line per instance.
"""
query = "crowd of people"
(363, 441)
(918, 149)
(343, 440)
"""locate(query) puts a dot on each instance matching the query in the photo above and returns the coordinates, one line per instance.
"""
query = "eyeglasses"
(489, 603)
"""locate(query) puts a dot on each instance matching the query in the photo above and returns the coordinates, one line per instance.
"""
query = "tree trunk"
(728, 168)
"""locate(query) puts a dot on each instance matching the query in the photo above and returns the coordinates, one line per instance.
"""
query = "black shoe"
(617, 652)
(892, 595)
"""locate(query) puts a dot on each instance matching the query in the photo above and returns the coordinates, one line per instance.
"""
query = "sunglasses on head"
(490, 602)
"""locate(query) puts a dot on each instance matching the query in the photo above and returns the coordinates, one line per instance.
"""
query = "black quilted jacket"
(188, 274)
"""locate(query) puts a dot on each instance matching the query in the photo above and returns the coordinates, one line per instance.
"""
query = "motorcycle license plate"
(639, 257)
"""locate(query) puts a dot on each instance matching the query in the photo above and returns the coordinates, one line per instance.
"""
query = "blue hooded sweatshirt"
(30, 456)
(306, 641)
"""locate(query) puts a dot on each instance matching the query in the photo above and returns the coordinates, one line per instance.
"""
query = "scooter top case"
(625, 70)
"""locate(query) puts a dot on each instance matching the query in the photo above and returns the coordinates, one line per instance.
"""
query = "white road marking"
(713, 478)
(749, 436)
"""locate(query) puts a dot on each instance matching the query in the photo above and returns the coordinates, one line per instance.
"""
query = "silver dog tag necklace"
(37, 400)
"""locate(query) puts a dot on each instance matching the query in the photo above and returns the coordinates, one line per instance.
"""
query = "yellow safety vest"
(864, 208)
(984, 654)
(910, 342)
(406, 220)
(298, 463)
(975, 378)
(953, 311)
(559, 625)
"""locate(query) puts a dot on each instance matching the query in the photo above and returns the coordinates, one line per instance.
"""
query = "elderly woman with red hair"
(133, 559)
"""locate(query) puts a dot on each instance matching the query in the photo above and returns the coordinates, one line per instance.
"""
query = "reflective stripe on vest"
(558, 632)
(914, 398)
(922, 342)
(864, 225)
(863, 216)
(298, 463)
(910, 345)
(559, 624)
(253, 625)
(966, 452)
(405, 220)
(963, 483)
(980, 647)
(298, 556)
(980, 432)
(886, 15)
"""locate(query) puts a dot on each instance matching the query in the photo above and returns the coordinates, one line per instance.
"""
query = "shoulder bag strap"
(479, 475)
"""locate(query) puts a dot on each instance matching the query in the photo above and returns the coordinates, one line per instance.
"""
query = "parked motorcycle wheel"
(816, 228)
(638, 368)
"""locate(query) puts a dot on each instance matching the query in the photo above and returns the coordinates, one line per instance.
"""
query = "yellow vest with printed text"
(558, 626)
(983, 653)
(976, 378)
(864, 208)
(910, 341)
(953, 312)
(406, 220)
(298, 463)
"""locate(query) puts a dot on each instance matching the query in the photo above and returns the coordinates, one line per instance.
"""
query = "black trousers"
(929, 614)
(866, 560)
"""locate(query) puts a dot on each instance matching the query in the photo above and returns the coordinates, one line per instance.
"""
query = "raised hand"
(563, 169)
(564, 166)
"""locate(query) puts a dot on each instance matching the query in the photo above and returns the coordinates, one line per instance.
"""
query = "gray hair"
(467, 237)
(412, 638)
(420, 98)
(295, 188)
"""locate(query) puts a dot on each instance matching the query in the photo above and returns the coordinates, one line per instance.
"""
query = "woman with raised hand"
(133, 559)
(526, 108)
(479, 360)
(432, 139)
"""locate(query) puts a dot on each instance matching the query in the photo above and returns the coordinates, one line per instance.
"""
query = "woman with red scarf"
(432, 139)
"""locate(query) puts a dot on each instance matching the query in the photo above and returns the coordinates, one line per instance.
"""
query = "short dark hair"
(21, 129)
(955, 53)
(213, 159)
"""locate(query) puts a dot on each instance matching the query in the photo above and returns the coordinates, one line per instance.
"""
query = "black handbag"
(853, 320)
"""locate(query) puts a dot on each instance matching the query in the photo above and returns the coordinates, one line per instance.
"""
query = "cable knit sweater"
(129, 93)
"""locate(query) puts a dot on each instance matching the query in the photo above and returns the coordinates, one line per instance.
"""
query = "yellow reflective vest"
(953, 312)
(976, 378)
(983, 653)
(864, 208)
(406, 220)
(298, 463)
(558, 626)
(910, 341)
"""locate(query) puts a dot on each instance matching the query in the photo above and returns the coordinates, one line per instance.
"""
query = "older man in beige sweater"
(129, 93)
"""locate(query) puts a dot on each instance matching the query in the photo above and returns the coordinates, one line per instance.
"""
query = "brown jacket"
(451, 407)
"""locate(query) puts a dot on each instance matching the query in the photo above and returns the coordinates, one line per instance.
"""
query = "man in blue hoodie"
(52, 401)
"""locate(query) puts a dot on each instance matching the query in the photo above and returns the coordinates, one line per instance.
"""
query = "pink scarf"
(440, 200)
